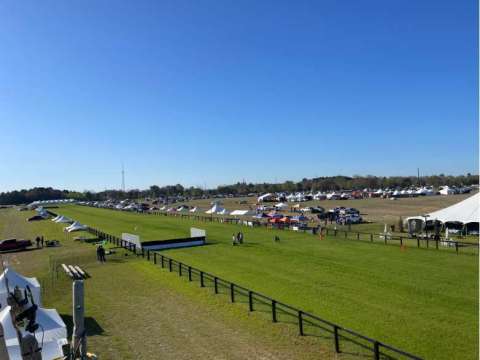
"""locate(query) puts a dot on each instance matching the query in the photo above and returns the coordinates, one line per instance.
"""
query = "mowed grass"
(422, 301)
(136, 311)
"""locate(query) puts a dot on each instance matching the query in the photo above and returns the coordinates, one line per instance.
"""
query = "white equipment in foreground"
(25, 327)
(10, 279)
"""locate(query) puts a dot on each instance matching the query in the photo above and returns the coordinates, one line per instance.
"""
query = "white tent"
(466, 211)
(281, 206)
(51, 336)
(194, 209)
(56, 218)
(76, 226)
(64, 219)
(222, 212)
(215, 209)
(12, 279)
(242, 212)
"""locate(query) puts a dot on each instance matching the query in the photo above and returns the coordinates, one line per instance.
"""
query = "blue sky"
(213, 92)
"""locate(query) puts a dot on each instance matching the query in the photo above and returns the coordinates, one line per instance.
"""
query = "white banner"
(131, 238)
(194, 232)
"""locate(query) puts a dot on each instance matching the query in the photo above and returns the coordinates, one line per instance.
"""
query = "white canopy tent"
(466, 211)
(281, 206)
(216, 209)
(64, 219)
(242, 213)
(76, 226)
(12, 279)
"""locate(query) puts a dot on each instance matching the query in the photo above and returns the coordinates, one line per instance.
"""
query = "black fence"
(344, 340)
(388, 239)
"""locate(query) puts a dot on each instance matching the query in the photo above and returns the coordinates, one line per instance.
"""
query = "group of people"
(39, 240)
(101, 254)
(237, 239)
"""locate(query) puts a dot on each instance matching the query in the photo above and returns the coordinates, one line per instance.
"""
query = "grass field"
(422, 301)
(137, 311)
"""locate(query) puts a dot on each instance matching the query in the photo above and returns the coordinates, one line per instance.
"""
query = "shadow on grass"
(92, 326)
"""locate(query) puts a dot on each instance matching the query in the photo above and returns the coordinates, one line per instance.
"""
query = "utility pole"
(123, 178)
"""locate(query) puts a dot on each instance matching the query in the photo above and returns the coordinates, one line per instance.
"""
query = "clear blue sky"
(213, 92)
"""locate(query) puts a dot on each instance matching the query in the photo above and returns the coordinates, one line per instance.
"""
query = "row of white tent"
(52, 333)
(74, 225)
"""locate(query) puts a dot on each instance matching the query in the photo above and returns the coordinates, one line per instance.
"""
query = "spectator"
(37, 240)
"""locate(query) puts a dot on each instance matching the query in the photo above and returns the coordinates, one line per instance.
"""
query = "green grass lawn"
(137, 311)
(422, 301)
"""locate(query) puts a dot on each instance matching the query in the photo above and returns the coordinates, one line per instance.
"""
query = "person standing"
(41, 241)
(37, 240)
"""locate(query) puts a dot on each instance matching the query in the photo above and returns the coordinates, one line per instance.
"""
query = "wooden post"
(456, 246)
(358, 236)
(189, 273)
(148, 255)
(155, 258)
(274, 311)
(300, 323)
(250, 301)
(179, 269)
(232, 292)
(376, 350)
(170, 265)
(401, 241)
(201, 279)
(371, 237)
(337, 342)
(215, 284)
(161, 259)
(79, 338)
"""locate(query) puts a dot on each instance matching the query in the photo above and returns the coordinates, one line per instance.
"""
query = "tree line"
(332, 183)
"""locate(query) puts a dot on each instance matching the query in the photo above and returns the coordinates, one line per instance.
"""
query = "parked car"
(14, 244)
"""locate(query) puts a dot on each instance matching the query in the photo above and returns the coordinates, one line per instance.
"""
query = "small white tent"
(215, 209)
(13, 279)
(63, 219)
(76, 226)
(281, 206)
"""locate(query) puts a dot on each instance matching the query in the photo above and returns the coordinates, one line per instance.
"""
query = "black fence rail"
(344, 340)
(388, 239)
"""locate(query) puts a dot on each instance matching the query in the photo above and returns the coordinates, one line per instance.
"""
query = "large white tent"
(12, 279)
(464, 214)
(242, 212)
(76, 226)
(466, 211)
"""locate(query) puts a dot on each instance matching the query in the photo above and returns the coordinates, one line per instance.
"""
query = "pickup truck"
(14, 244)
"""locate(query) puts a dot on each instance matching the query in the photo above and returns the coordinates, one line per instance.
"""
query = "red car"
(14, 244)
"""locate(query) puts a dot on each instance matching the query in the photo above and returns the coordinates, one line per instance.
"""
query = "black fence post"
(418, 242)
(155, 258)
(170, 265)
(148, 255)
(274, 311)
(385, 236)
(335, 334)
(358, 236)
(201, 279)
(456, 246)
(215, 284)
(371, 237)
(376, 350)
(189, 273)
(143, 253)
(232, 292)
(250, 301)
(401, 241)
(300, 323)
(161, 259)
(179, 269)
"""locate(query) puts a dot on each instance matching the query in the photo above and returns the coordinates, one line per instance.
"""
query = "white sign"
(194, 232)
(131, 238)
